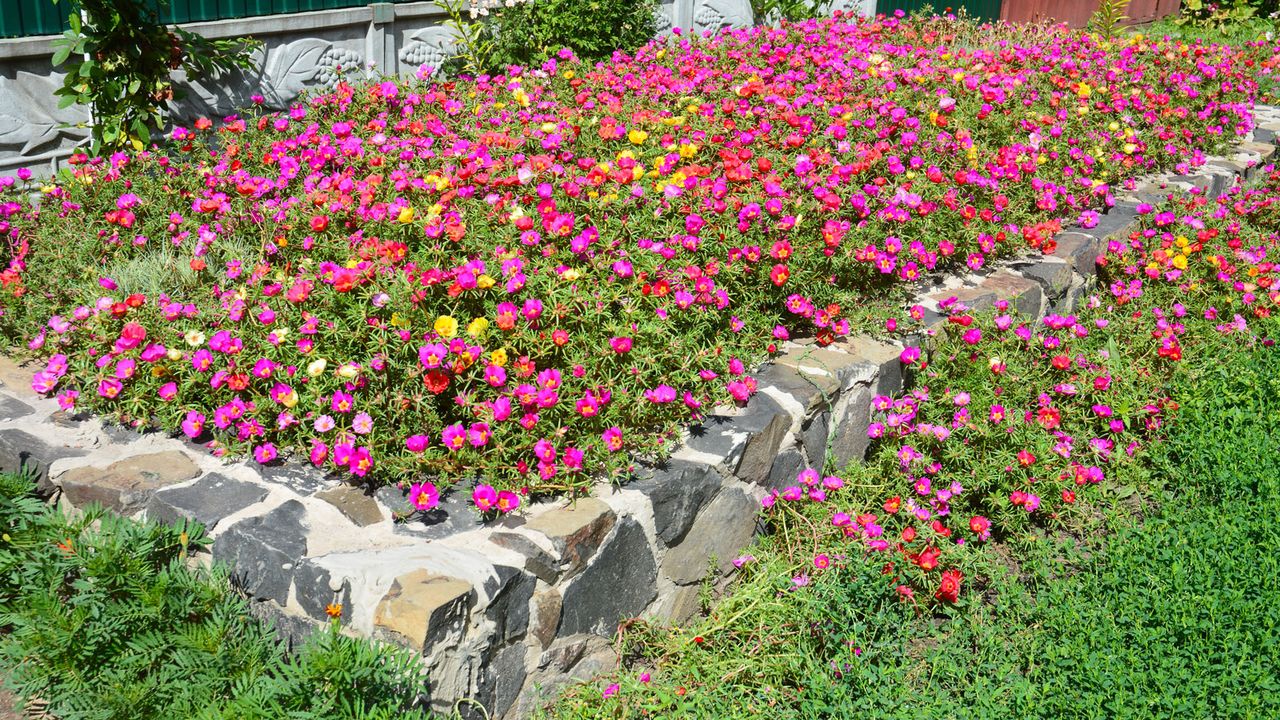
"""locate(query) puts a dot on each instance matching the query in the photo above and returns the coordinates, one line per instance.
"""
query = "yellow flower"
(399, 321)
(1180, 262)
(484, 282)
(637, 137)
(173, 354)
(571, 275)
(290, 400)
(477, 327)
(522, 98)
(317, 367)
(548, 127)
(498, 357)
(569, 74)
(445, 326)
(405, 216)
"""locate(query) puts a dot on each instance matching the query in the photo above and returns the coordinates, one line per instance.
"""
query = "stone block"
(678, 490)
(15, 376)
(509, 602)
(811, 392)
(786, 466)
(206, 501)
(765, 423)
(547, 606)
(300, 478)
(357, 506)
(722, 530)
(498, 684)
(576, 531)
(455, 514)
(683, 603)
(1080, 252)
(423, 610)
(126, 486)
(263, 551)
(1022, 294)
(20, 449)
(541, 563)
(12, 408)
(851, 417)
(814, 435)
(617, 584)
(1053, 275)
(315, 589)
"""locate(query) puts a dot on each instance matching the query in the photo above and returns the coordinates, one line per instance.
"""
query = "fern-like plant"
(1106, 20)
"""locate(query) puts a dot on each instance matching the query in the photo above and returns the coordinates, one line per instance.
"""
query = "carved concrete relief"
(30, 119)
(716, 15)
(431, 46)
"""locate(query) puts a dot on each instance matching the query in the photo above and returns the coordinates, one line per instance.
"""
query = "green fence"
(22, 18)
(982, 9)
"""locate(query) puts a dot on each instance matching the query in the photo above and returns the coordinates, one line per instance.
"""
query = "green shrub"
(103, 618)
(528, 33)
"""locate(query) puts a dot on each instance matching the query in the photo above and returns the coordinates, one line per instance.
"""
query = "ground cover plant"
(103, 618)
(1066, 518)
(529, 278)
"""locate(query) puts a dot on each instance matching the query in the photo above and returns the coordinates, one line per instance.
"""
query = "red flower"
(949, 589)
(436, 381)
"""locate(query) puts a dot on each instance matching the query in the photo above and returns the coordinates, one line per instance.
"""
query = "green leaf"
(64, 52)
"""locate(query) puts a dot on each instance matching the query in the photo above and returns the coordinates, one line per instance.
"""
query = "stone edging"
(507, 612)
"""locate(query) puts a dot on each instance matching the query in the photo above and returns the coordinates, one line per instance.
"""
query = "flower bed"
(1020, 441)
(529, 278)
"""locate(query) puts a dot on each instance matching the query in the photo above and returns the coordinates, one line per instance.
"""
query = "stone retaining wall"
(508, 611)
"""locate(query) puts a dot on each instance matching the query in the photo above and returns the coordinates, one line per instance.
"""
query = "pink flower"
(611, 690)
(910, 355)
(484, 497)
(508, 501)
(193, 424)
(319, 452)
(109, 388)
(620, 345)
(612, 439)
(168, 391)
(265, 453)
(424, 495)
(454, 437)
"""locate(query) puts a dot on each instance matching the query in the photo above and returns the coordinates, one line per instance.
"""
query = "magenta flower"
(193, 424)
(454, 437)
(265, 453)
(484, 497)
(109, 388)
(424, 495)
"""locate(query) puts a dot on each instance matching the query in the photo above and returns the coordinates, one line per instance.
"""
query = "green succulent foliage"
(119, 58)
(528, 33)
(104, 618)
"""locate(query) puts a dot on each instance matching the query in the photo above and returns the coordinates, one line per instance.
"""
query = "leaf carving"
(291, 67)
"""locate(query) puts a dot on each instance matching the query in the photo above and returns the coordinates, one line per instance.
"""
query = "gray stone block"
(12, 408)
(313, 588)
(20, 449)
(618, 583)
(263, 551)
(722, 530)
(509, 603)
(206, 501)
(127, 485)
(498, 684)
(785, 468)
(678, 490)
